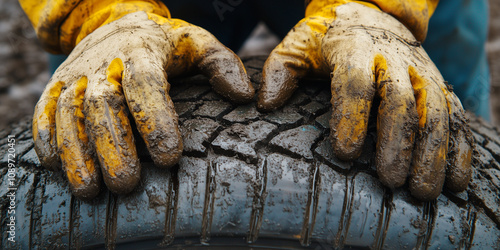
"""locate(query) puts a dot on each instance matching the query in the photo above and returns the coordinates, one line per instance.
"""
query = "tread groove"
(74, 235)
(428, 217)
(384, 220)
(311, 207)
(469, 227)
(36, 212)
(345, 218)
(208, 207)
(259, 201)
(171, 209)
(111, 220)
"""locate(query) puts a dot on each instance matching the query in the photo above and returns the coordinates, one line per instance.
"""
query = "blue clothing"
(455, 41)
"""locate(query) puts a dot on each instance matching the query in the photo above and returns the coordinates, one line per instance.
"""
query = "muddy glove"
(370, 55)
(122, 68)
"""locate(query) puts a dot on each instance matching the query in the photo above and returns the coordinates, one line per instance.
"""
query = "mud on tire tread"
(253, 179)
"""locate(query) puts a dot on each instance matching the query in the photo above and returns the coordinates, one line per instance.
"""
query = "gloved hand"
(371, 55)
(122, 67)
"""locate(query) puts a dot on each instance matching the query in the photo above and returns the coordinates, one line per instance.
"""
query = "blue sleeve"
(456, 41)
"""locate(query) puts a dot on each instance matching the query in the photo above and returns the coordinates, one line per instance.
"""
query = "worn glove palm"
(119, 68)
(369, 54)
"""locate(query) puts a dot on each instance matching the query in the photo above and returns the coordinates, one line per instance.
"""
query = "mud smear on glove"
(396, 132)
(78, 159)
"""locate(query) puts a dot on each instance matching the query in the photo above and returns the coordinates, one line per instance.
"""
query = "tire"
(249, 179)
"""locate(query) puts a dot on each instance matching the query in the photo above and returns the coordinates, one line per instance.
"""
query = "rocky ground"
(23, 68)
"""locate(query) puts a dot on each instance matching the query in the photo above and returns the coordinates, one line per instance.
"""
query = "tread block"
(196, 132)
(242, 114)
(242, 139)
(212, 109)
(297, 140)
(325, 151)
(284, 210)
(286, 116)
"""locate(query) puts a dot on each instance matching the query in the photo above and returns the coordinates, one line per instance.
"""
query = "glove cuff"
(60, 25)
(319, 7)
(90, 15)
(414, 14)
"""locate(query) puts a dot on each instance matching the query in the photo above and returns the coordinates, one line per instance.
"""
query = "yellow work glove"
(421, 128)
(122, 68)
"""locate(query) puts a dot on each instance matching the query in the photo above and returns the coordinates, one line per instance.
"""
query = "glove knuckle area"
(360, 28)
(188, 44)
(354, 16)
(132, 29)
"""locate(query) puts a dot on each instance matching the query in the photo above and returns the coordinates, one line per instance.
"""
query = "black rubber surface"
(250, 179)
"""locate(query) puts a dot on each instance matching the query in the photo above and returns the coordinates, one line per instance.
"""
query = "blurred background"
(24, 67)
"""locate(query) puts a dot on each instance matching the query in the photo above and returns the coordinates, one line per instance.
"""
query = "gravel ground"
(23, 71)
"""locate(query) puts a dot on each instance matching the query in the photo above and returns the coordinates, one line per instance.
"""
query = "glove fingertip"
(265, 104)
(461, 142)
(275, 93)
(458, 185)
(44, 126)
(125, 181)
(459, 171)
(224, 84)
(344, 152)
(47, 155)
(168, 152)
(83, 177)
(425, 191)
(347, 134)
(87, 192)
(227, 75)
(392, 179)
